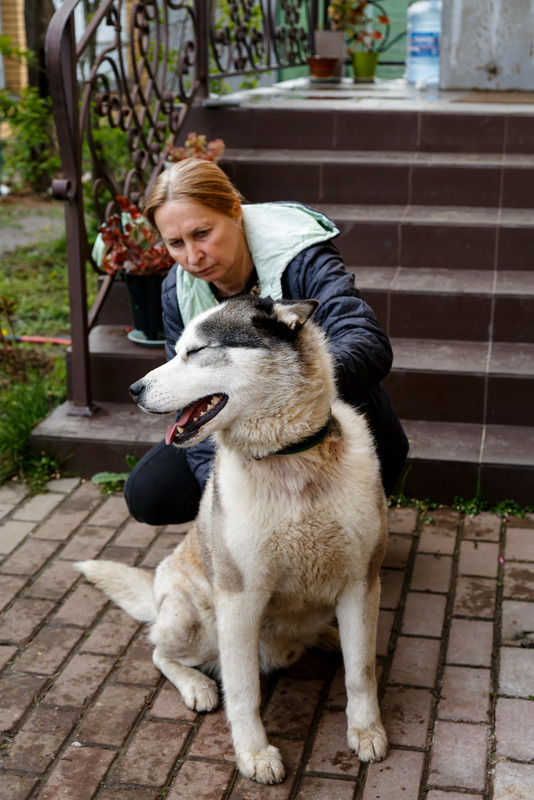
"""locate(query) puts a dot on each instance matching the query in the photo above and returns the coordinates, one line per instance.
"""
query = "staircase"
(436, 213)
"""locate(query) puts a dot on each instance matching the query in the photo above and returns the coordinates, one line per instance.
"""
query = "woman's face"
(206, 243)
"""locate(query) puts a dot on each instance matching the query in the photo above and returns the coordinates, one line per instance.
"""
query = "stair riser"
(370, 243)
(112, 375)
(502, 400)
(312, 182)
(339, 129)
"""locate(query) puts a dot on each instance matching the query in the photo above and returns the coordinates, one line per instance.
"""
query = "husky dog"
(291, 529)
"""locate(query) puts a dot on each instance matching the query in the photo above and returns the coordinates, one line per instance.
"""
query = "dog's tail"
(131, 588)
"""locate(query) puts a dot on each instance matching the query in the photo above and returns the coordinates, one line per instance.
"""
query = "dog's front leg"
(238, 625)
(357, 613)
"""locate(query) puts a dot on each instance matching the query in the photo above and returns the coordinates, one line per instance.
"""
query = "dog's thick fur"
(282, 544)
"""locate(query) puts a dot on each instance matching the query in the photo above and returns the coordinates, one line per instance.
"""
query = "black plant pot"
(144, 295)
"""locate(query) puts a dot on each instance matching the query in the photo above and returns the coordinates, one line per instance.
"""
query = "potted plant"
(129, 246)
(366, 27)
(196, 146)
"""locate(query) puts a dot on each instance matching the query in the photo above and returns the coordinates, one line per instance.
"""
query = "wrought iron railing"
(122, 81)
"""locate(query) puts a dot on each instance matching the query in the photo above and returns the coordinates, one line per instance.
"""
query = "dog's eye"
(195, 350)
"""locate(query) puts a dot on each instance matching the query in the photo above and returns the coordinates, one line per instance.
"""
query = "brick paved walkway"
(86, 716)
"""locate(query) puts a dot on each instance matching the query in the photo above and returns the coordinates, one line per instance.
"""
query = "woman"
(223, 248)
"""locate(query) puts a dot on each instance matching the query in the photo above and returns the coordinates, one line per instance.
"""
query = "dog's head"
(241, 360)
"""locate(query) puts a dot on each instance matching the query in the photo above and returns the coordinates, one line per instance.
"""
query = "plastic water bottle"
(423, 41)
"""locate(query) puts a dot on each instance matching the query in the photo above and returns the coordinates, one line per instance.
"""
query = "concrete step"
(440, 303)
(383, 177)
(445, 237)
(462, 381)
(446, 459)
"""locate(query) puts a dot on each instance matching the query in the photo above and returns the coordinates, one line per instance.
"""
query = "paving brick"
(61, 524)
(79, 681)
(54, 582)
(113, 715)
(519, 544)
(517, 624)
(151, 754)
(111, 514)
(130, 793)
(437, 539)
(40, 738)
(390, 588)
(85, 498)
(402, 520)
(38, 507)
(470, 643)
(250, 790)
(15, 787)
(513, 781)
(398, 550)
(475, 597)
(112, 633)
(77, 774)
(201, 781)
(398, 776)
(515, 728)
(431, 573)
(214, 738)
(125, 555)
(292, 706)
(424, 614)
(48, 650)
(63, 485)
(483, 526)
(169, 705)
(465, 694)
(17, 694)
(81, 607)
(437, 794)
(30, 557)
(10, 586)
(163, 546)
(87, 543)
(406, 715)
(137, 665)
(518, 581)
(325, 789)
(7, 652)
(415, 662)
(136, 534)
(517, 669)
(19, 623)
(12, 534)
(331, 753)
(13, 493)
(458, 756)
(479, 558)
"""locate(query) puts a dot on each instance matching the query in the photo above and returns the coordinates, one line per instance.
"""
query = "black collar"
(307, 443)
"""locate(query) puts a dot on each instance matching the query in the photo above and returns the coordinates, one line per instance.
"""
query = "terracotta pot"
(364, 67)
(322, 67)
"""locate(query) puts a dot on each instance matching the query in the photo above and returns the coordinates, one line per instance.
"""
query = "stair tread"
(465, 216)
(419, 158)
(436, 355)
(512, 283)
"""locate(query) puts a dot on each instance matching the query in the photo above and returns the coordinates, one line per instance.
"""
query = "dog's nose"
(136, 390)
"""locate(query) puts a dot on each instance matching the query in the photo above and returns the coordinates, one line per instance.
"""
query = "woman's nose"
(194, 253)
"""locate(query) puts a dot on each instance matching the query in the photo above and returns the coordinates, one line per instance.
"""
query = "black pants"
(161, 489)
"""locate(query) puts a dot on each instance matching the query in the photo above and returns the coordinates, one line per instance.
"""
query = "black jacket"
(361, 350)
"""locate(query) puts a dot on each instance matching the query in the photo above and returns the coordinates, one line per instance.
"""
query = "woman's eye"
(201, 234)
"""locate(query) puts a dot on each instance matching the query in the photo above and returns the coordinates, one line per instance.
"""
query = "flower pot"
(332, 45)
(364, 66)
(144, 296)
(322, 68)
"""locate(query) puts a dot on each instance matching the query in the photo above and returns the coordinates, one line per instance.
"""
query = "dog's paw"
(370, 744)
(264, 766)
(202, 695)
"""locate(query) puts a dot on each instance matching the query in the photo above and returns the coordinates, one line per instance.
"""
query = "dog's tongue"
(171, 433)
(187, 414)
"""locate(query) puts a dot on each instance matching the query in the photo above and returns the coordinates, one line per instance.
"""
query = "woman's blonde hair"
(193, 179)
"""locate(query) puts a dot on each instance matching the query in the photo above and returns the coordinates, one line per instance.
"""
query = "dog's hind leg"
(357, 613)
(199, 692)
(238, 622)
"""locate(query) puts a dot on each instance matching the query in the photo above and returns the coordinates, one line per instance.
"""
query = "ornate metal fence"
(122, 81)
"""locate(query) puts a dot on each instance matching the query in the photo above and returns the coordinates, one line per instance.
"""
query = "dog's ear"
(294, 314)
